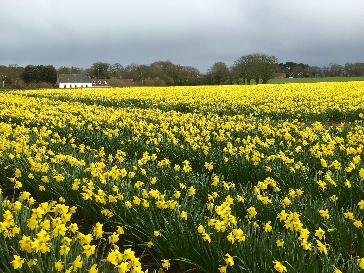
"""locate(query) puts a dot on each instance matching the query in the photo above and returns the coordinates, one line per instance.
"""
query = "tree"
(10, 75)
(266, 66)
(136, 72)
(100, 70)
(174, 74)
(255, 67)
(314, 71)
(165, 71)
(219, 73)
(336, 70)
(187, 75)
(115, 70)
(69, 70)
(39, 73)
(354, 69)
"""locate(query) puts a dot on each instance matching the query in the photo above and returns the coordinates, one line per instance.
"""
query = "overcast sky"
(189, 32)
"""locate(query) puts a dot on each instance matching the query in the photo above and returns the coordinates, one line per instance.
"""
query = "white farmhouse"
(73, 81)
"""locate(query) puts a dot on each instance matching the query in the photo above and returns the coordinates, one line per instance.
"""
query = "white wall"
(74, 85)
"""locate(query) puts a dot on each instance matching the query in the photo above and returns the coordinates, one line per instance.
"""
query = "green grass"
(319, 79)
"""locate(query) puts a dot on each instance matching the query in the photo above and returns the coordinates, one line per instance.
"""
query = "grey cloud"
(189, 32)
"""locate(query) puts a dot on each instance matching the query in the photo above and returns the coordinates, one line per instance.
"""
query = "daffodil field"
(261, 178)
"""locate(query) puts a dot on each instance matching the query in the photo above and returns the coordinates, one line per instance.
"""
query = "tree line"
(248, 69)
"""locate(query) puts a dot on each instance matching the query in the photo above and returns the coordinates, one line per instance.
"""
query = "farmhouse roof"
(74, 78)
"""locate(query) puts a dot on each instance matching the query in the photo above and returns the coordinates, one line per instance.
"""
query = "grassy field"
(312, 80)
(259, 178)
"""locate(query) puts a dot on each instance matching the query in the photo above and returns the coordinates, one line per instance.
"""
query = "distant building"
(99, 83)
(280, 75)
(127, 82)
(73, 81)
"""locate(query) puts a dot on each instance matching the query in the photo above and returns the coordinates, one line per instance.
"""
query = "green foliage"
(100, 70)
(255, 67)
(39, 73)
(69, 70)
(219, 73)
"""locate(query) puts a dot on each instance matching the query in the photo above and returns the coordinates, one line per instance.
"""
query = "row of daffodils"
(266, 178)
(41, 237)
